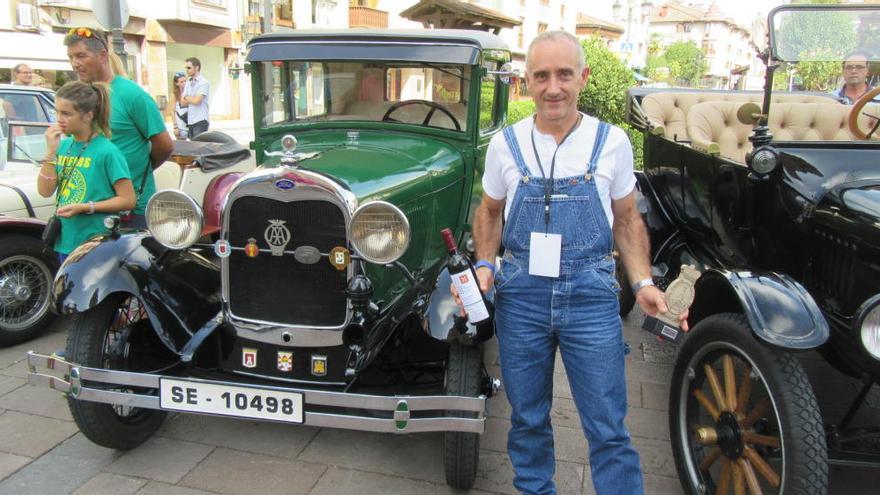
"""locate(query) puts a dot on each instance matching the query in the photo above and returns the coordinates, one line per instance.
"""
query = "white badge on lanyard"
(544, 254)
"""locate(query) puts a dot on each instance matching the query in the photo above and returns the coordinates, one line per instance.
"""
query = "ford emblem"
(307, 255)
(285, 184)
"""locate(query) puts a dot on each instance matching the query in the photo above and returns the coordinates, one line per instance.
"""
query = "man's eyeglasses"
(82, 32)
(855, 67)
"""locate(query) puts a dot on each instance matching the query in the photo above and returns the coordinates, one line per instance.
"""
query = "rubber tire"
(806, 457)
(625, 297)
(99, 422)
(38, 254)
(214, 137)
(461, 451)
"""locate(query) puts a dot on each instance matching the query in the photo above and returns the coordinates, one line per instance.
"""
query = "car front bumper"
(388, 414)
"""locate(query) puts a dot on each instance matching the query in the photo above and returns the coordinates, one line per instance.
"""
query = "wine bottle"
(465, 280)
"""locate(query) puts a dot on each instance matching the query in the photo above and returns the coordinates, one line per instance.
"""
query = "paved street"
(42, 452)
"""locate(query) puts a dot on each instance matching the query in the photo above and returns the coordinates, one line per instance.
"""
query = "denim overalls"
(578, 311)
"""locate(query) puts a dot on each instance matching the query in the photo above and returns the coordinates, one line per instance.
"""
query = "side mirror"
(749, 113)
(505, 73)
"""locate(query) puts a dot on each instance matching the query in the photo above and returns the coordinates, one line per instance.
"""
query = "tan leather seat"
(667, 110)
(714, 128)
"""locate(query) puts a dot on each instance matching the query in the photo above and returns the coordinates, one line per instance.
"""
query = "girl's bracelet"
(48, 177)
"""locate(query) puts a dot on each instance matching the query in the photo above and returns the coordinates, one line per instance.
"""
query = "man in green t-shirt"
(137, 126)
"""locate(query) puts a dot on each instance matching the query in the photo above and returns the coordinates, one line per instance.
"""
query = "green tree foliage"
(518, 110)
(605, 94)
(686, 62)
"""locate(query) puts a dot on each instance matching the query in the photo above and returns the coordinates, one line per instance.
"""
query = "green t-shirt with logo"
(134, 119)
(93, 167)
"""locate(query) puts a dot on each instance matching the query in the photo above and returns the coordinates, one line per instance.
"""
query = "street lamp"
(636, 16)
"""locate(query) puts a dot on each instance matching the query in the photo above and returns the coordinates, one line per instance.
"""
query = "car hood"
(381, 165)
(815, 169)
(17, 179)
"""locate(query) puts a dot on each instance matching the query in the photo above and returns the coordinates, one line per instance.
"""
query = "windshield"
(823, 49)
(433, 95)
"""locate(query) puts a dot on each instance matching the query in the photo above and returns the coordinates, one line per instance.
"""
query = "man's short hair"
(92, 38)
(559, 36)
(857, 53)
(196, 62)
(18, 67)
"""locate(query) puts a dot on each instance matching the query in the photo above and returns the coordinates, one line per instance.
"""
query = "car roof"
(480, 39)
(19, 87)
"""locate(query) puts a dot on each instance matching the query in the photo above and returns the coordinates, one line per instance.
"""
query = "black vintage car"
(775, 198)
(312, 290)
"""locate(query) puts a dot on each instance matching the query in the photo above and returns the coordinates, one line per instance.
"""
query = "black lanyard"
(548, 184)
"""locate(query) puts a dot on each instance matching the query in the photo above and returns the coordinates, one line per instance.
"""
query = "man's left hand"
(653, 301)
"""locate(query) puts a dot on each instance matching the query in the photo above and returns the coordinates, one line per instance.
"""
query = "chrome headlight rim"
(199, 215)
(764, 151)
(868, 314)
(394, 209)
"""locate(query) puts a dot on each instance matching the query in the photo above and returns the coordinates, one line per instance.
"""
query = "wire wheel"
(26, 272)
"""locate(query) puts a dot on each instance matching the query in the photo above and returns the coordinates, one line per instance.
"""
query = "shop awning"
(44, 51)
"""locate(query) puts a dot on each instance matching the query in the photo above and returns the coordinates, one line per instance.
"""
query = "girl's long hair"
(89, 97)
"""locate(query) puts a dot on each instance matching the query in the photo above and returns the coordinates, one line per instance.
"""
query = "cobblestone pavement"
(41, 450)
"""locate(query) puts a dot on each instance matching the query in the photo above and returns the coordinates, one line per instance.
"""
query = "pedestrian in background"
(22, 75)
(181, 130)
(195, 98)
(85, 170)
(137, 125)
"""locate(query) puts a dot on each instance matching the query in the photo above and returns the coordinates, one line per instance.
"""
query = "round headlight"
(174, 219)
(764, 160)
(870, 331)
(379, 232)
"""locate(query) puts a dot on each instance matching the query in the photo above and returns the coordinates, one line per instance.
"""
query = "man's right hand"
(484, 277)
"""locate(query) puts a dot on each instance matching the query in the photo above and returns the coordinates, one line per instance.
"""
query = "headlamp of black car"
(867, 326)
(379, 232)
(764, 160)
(174, 219)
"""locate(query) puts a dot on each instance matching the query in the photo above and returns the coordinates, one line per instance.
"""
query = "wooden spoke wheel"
(743, 417)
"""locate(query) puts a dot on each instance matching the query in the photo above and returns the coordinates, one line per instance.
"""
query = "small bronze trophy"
(679, 296)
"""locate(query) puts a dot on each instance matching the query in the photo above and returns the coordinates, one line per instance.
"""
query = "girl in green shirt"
(85, 170)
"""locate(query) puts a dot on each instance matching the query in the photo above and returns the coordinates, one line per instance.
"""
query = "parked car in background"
(775, 198)
(27, 266)
(324, 299)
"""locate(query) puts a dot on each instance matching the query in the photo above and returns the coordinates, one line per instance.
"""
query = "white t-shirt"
(614, 172)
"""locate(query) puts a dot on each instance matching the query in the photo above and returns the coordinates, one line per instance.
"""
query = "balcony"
(365, 17)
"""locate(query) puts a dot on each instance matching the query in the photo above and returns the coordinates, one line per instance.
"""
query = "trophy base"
(662, 329)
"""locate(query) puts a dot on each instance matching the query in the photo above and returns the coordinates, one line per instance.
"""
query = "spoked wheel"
(115, 335)
(743, 418)
(27, 268)
(461, 451)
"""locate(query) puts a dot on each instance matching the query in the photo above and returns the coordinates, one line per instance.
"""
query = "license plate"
(230, 400)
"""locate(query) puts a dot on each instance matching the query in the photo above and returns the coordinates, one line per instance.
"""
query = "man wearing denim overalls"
(562, 179)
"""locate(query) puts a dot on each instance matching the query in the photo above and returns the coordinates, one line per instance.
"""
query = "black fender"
(779, 310)
(441, 317)
(180, 290)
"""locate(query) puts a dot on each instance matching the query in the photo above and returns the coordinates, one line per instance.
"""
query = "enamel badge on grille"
(249, 357)
(285, 361)
(319, 365)
(339, 258)
(277, 236)
(222, 249)
(251, 249)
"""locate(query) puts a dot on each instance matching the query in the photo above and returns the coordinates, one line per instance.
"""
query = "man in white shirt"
(195, 98)
(564, 182)
(22, 75)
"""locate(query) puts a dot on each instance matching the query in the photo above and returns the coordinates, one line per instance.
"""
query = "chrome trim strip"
(39, 364)
(288, 380)
(309, 186)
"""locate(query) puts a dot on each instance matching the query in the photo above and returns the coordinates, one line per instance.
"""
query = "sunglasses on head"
(82, 32)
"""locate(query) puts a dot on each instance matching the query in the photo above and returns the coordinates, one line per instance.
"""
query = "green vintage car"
(312, 290)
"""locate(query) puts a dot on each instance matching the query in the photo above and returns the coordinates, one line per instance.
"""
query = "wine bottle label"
(469, 292)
